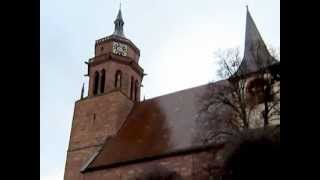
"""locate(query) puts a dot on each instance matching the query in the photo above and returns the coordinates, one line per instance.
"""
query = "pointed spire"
(256, 54)
(118, 24)
(119, 16)
(82, 91)
(252, 35)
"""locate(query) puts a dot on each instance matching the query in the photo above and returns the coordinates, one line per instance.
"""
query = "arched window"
(136, 88)
(102, 81)
(96, 83)
(131, 88)
(117, 82)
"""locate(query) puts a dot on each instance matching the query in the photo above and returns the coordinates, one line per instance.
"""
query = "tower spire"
(252, 35)
(256, 54)
(118, 24)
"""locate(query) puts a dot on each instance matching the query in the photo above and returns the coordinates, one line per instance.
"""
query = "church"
(116, 136)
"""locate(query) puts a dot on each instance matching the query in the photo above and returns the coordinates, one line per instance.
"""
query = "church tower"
(114, 86)
(115, 65)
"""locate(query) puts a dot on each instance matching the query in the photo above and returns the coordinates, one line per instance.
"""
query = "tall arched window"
(102, 81)
(96, 83)
(131, 88)
(117, 82)
(136, 89)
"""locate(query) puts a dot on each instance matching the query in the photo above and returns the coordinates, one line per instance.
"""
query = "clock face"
(119, 49)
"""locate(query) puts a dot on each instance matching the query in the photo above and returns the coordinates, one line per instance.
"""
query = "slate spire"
(118, 24)
(256, 55)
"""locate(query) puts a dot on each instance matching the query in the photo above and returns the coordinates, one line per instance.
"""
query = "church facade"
(116, 136)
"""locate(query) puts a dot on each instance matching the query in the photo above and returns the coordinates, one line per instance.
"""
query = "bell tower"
(114, 87)
(115, 66)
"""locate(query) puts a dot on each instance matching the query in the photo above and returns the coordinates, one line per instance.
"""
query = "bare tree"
(266, 85)
(224, 109)
(233, 93)
(242, 100)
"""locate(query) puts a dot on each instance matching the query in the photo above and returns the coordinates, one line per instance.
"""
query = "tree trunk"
(267, 97)
(265, 114)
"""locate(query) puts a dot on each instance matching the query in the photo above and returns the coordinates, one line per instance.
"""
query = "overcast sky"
(177, 39)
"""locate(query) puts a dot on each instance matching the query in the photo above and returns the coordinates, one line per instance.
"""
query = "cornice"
(117, 59)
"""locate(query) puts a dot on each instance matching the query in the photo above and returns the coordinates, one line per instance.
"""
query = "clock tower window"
(117, 83)
(102, 81)
(96, 83)
(131, 88)
(136, 91)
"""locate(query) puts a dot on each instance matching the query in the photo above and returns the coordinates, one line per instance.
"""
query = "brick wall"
(110, 68)
(94, 120)
(189, 167)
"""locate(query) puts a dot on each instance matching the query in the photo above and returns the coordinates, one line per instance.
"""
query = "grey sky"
(177, 39)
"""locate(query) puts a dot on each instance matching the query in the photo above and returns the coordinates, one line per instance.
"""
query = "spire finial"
(247, 7)
(118, 24)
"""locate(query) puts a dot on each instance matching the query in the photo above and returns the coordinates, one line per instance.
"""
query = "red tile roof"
(155, 127)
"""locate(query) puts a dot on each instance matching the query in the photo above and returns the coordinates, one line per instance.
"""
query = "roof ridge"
(183, 90)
